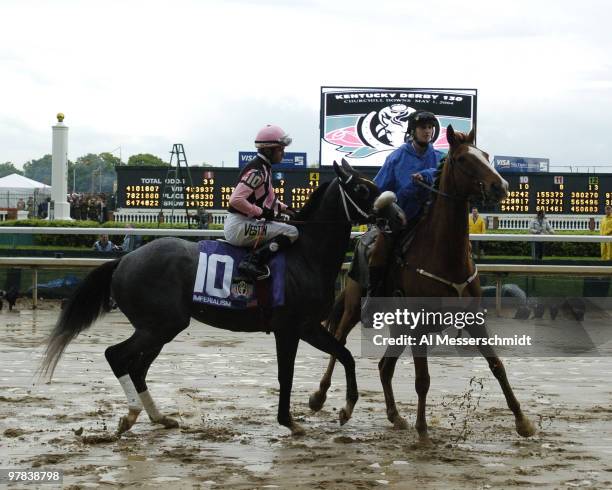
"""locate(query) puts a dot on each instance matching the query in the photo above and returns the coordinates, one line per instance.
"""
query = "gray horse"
(153, 287)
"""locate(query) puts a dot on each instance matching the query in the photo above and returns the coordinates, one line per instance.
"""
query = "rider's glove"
(266, 213)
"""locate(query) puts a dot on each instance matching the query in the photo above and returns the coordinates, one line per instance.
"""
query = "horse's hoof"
(124, 425)
(399, 423)
(424, 441)
(297, 430)
(524, 427)
(167, 422)
(344, 416)
(316, 401)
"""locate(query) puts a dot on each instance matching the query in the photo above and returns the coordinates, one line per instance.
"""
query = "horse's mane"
(460, 139)
(313, 202)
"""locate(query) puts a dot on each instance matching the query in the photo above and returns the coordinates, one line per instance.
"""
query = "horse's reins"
(450, 162)
(344, 195)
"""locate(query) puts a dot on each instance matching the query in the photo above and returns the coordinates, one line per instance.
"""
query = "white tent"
(15, 186)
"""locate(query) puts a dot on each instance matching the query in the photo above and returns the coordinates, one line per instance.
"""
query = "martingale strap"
(459, 287)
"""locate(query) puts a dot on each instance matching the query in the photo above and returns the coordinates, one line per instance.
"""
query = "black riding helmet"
(420, 117)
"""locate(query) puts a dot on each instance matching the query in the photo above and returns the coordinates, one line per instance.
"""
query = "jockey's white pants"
(243, 232)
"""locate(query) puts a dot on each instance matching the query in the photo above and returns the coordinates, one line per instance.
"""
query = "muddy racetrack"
(222, 388)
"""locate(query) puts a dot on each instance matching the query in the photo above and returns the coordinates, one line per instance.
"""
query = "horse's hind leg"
(286, 349)
(350, 317)
(138, 373)
(321, 339)
(523, 425)
(130, 361)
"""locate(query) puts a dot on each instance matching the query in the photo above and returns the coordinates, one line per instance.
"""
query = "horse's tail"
(335, 315)
(90, 300)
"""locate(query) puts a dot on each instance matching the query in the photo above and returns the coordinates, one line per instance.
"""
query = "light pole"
(114, 150)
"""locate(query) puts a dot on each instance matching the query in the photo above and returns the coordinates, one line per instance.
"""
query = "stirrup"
(251, 271)
(265, 275)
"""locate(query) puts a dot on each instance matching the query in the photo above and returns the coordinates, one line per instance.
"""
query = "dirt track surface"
(222, 388)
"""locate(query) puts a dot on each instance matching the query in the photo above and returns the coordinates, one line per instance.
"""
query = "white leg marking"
(130, 392)
(149, 406)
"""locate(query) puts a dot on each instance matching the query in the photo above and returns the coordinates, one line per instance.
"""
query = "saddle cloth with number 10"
(218, 282)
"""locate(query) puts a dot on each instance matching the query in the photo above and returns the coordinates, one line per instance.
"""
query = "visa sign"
(520, 164)
(290, 160)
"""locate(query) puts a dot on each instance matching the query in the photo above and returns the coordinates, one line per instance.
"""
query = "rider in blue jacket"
(414, 160)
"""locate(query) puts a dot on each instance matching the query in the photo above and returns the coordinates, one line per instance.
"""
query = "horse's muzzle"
(498, 191)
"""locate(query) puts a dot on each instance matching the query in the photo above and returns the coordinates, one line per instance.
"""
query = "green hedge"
(557, 249)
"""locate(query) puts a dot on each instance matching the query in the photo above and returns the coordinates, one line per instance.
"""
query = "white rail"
(490, 237)
(499, 270)
(505, 221)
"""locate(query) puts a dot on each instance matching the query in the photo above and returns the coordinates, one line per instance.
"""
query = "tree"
(92, 173)
(7, 168)
(39, 170)
(146, 159)
(110, 159)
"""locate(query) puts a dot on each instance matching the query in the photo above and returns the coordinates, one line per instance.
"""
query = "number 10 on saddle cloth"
(218, 282)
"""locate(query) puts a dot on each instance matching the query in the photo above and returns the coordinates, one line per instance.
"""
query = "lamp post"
(114, 150)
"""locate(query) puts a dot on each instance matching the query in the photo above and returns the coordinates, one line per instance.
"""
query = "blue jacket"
(395, 175)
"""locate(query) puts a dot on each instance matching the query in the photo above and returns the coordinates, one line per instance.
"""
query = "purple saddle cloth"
(218, 282)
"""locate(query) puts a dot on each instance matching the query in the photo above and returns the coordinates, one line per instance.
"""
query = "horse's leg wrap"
(153, 413)
(134, 404)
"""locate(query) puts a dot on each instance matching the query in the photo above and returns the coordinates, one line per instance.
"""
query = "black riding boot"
(254, 264)
(376, 280)
(375, 289)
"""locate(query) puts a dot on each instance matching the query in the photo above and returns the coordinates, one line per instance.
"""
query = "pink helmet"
(271, 136)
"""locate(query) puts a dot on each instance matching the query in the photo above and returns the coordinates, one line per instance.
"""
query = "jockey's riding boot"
(375, 288)
(254, 264)
(376, 280)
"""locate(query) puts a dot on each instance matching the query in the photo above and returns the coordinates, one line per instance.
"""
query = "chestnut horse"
(440, 248)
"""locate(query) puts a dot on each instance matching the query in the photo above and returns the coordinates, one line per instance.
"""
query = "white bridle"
(345, 196)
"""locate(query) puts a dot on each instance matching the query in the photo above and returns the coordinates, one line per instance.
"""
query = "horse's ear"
(450, 136)
(471, 136)
(342, 175)
(347, 168)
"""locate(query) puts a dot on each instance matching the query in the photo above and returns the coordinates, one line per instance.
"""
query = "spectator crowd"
(93, 207)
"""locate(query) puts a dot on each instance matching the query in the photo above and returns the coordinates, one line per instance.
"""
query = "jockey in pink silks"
(253, 205)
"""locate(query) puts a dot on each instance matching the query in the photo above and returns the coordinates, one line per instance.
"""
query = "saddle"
(401, 238)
